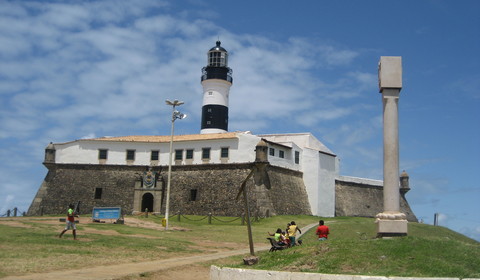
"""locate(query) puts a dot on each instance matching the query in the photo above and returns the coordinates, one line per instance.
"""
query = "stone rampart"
(215, 186)
(357, 197)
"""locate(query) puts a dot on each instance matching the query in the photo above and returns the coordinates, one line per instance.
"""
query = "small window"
(98, 193)
(193, 194)
(281, 154)
(271, 152)
(154, 155)
(297, 157)
(206, 153)
(210, 93)
(189, 154)
(102, 154)
(224, 153)
(130, 154)
(178, 154)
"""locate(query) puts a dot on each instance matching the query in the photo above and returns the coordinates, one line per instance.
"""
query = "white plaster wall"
(326, 195)
(311, 179)
(86, 152)
(241, 150)
(219, 92)
(288, 161)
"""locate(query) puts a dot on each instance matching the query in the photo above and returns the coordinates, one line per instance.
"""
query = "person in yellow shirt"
(292, 230)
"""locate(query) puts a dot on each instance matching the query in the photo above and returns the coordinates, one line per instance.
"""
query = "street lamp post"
(175, 115)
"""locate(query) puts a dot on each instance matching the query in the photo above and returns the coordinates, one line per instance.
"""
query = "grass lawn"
(32, 245)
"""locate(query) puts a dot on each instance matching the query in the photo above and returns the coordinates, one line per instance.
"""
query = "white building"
(300, 152)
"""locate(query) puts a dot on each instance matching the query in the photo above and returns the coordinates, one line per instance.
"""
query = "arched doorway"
(147, 202)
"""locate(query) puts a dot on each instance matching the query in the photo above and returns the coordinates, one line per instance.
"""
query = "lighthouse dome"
(218, 47)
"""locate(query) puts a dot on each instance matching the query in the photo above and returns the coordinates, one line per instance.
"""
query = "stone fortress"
(207, 169)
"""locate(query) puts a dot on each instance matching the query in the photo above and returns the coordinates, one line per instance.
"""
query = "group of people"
(288, 236)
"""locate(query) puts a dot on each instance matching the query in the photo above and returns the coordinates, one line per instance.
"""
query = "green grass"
(427, 251)
(352, 249)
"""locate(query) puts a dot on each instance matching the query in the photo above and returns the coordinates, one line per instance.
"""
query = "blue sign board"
(102, 213)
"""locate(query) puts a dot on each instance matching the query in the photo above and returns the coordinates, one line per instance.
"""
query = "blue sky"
(81, 69)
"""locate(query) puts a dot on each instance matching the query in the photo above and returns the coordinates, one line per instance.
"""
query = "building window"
(98, 193)
(178, 154)
(130, 154)
(206, 153)
(102, 154)
(297, 157)
(281, 154)
(154, 155)
(271, 152)
(189, 154)
(224, 152)
(193, 194)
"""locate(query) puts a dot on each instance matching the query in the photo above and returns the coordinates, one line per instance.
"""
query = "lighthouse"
(216, 81)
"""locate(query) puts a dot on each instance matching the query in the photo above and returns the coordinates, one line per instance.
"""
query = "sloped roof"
(303, 140)
(165, 138)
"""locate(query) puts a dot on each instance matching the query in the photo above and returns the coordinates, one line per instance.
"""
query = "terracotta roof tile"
(166, 138)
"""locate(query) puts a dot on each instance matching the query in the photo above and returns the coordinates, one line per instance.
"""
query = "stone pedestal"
(391, 224)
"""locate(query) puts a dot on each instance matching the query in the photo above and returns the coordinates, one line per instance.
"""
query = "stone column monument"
(391, 222)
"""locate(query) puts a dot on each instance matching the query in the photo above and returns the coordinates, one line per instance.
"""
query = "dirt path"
(161, 269)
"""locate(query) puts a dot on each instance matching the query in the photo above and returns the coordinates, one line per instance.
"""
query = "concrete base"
(226, 273)
(391, 227)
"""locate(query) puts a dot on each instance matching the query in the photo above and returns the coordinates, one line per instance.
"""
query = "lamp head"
(178, 115)
(174, 103)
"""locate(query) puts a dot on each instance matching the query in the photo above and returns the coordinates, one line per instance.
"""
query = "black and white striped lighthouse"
(216, 81)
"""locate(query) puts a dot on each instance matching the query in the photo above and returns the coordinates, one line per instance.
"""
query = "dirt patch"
(194, 271)
(15, 224)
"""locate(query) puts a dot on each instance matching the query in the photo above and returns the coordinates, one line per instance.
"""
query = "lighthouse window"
(189, 154)
(98, 193)
(218, 59)
(178, 154)
(210, 93)
(154, 155)
(102, 154)
(193, 194)
(224, 152)
(130, 154)
(206, 153)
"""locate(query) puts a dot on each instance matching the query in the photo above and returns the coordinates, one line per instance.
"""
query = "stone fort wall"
(216, 185)
(360, 199)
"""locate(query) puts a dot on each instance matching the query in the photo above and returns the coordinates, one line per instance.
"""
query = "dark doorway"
(147, 202)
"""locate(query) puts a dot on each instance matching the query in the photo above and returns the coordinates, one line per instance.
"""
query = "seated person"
(285, 239)
(279, 237)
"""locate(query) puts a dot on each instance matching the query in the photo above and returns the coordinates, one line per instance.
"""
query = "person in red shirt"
(70, 222)
(322, 231)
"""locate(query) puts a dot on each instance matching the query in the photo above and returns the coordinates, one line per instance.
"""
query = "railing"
(211, 217)
(13, 212)
(222, 73)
